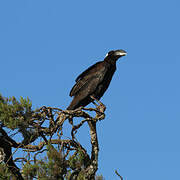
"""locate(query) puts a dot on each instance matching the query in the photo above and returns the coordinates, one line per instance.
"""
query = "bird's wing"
(87, 71)
(94, 74)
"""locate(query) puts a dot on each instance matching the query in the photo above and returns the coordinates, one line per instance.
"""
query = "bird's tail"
(73, 105)
(70, 107)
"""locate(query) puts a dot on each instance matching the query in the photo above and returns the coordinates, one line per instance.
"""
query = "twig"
(119, 175)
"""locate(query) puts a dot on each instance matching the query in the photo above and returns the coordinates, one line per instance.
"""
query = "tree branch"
(47, 122)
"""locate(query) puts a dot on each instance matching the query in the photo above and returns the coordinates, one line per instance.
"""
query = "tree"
(43, 152)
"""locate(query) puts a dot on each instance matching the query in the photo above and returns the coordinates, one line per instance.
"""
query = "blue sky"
(44, 45)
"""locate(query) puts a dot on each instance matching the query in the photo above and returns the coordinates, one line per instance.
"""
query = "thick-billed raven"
(95, 80)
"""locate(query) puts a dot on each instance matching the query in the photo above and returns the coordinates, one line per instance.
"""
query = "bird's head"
(115, 54)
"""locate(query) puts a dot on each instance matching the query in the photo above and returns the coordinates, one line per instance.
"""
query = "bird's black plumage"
(95, 80)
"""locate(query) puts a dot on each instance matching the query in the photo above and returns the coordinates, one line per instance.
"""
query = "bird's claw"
(101, 107)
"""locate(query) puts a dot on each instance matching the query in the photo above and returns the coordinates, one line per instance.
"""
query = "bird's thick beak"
(120, 53)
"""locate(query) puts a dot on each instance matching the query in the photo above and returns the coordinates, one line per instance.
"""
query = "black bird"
(95, 80)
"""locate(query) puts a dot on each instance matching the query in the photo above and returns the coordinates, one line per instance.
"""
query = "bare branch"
(47, 122)
(119, 175)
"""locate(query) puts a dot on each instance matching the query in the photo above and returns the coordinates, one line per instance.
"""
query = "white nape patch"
(106, 55)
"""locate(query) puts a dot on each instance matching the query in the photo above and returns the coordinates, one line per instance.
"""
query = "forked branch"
(45, 127)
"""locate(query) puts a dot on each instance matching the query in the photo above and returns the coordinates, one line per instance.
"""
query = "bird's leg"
(93, 98)
(101, 107)
(95, 104)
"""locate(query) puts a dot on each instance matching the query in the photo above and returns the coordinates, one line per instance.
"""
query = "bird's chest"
(108, 77)
(102, 87)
